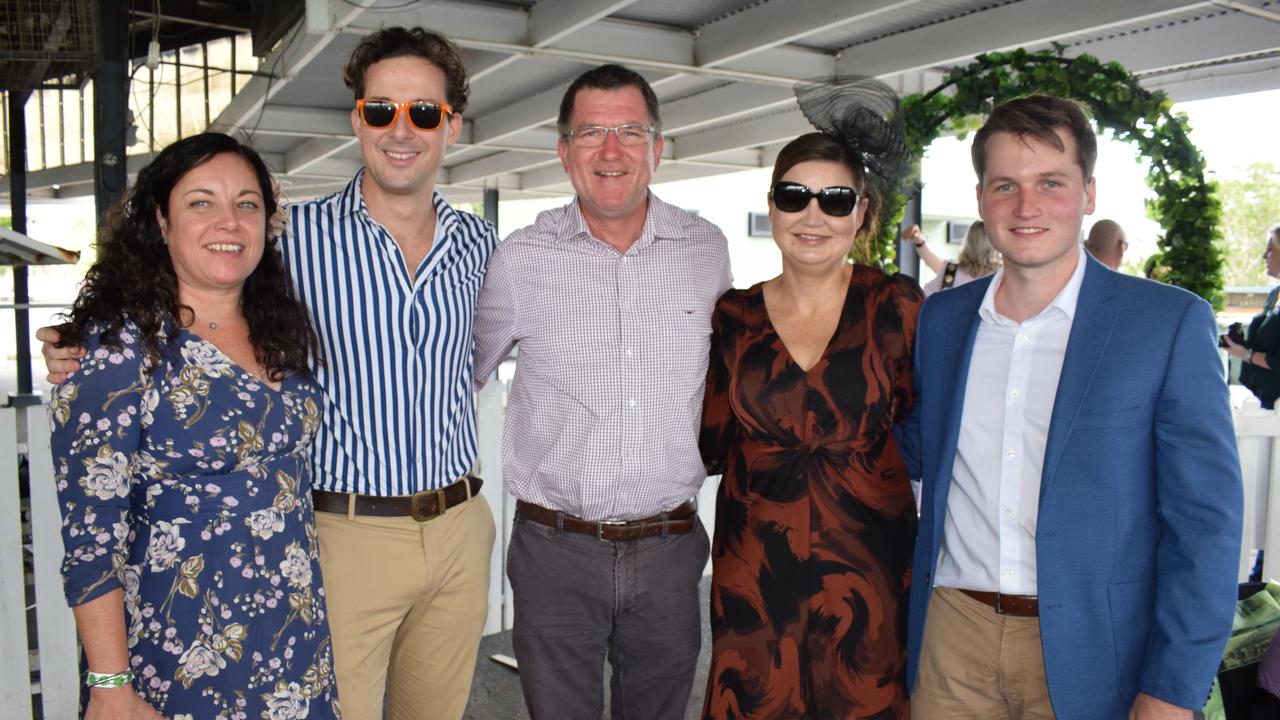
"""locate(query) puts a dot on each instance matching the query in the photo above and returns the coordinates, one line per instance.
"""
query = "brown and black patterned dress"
(815, 519)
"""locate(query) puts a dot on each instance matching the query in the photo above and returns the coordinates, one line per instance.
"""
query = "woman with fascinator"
(809, 371)
(180, 448)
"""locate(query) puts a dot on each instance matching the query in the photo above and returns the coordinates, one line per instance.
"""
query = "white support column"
(15, 671)
(55, 625)
(489, 411)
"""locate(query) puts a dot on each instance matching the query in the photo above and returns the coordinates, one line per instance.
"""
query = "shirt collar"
(351, 202)
(1065, 301)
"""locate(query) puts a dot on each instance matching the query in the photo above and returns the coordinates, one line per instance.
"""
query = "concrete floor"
(495, 692)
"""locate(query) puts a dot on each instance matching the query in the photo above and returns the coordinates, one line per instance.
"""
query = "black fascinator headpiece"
(864, 114)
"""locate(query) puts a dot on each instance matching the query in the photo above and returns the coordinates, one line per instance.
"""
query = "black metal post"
(491, 205)
(110, 105)
(908, 258)
(18, 205)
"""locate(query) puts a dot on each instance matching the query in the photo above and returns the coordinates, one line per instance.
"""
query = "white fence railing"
(1257, 434)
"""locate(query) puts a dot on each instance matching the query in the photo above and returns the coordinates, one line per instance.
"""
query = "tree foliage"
(1185, 204)
(1250, 205)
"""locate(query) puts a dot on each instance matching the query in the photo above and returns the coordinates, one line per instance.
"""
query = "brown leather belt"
(1016, 605)
(678, 522)
(421, 506)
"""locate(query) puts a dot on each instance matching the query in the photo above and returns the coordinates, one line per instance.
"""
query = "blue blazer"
(1138, 535)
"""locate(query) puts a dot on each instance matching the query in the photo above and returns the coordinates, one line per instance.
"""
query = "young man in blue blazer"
(1080, 522)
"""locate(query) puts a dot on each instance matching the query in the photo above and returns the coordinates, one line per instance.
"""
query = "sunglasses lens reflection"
(834, 201)
(427, 116)
(379, 114)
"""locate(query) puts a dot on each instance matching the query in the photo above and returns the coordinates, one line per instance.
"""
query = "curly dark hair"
(395, 42)
(133, 279)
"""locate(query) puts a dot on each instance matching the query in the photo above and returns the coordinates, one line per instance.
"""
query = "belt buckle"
(999, 606)
(600, 525)
(415, 507)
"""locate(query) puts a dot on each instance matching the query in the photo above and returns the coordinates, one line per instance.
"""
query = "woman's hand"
(120, 703)
(913, 235)
(1235, 349)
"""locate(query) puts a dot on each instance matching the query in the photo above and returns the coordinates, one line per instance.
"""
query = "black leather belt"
(421, 506)
(679, 521)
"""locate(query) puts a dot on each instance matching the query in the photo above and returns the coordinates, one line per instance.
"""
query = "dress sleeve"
(97, 419)
(718, 423)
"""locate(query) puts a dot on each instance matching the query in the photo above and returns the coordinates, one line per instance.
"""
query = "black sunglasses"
(424, 115)
(836, 201)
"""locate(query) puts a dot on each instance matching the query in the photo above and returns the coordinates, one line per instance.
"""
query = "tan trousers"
(407, 603)
(978, 665)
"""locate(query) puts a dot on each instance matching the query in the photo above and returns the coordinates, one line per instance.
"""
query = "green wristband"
(108, 680)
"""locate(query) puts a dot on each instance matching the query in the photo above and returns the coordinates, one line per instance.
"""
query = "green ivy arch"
(1185, 204)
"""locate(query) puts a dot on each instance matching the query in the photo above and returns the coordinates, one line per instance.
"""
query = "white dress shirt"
(989, 536)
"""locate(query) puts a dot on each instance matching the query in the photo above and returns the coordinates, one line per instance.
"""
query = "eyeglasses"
(836, 201)
(590, 136)
(424, 114)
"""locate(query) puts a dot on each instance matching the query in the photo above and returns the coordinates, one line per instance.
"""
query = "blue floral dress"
(189, 488)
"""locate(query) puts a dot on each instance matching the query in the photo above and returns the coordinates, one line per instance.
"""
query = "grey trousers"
(579, 600)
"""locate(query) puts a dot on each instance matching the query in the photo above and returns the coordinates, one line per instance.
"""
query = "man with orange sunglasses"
(391, 272)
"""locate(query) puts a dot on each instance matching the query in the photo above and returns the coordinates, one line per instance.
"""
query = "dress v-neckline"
(826, 349)
(242, 370)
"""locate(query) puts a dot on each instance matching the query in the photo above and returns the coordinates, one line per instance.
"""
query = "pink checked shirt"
(603, 415)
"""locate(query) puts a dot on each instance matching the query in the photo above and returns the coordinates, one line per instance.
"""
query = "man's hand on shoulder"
(1146, 707)
(60, 363)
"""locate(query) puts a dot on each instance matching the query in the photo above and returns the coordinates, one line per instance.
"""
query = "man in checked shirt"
(610, 301)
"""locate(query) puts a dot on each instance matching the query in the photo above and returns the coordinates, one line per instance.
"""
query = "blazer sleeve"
(1199, 505)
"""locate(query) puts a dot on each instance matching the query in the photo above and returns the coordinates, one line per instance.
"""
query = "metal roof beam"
(313, 150)
(1187, 43)
(760, 131)
(1000, 28)
(497, 164)
(552, 20)
(777, 22)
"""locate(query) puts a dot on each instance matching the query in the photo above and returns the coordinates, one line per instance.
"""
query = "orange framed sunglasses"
(423, 114)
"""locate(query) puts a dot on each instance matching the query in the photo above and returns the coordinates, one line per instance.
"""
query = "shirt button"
(628, 352)
(631, 402)
(1008, 571)
(1014, 394)
(1008, 511)
(1013, 453)
(1022, 338)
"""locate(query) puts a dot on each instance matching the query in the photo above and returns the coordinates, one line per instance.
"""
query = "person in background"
(1259, 354)
(977, 258)
(180, 449)
(1082, 501)
(390, 273)
(809, 371)
(609, 299)
(1107, 243)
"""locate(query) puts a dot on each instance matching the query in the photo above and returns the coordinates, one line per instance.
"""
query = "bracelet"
(919, 244)
(108, 680)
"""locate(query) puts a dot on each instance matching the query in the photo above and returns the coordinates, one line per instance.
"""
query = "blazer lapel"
(1090, 334)
(961, 331)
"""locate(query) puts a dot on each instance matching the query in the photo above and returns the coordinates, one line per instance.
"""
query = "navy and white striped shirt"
(399, 413)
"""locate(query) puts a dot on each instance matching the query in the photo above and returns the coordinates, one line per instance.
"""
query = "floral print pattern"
(188, 488)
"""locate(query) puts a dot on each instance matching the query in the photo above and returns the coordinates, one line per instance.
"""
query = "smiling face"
(1033, 199)
(216, 225)
(811, 237)
(612, 181)
(401, 159)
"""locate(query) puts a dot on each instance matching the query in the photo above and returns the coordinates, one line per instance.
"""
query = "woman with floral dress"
(180, 449)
